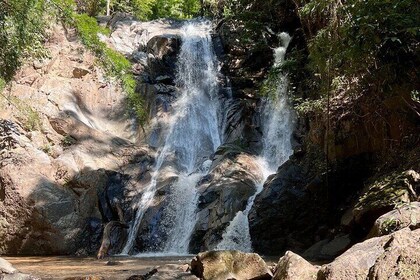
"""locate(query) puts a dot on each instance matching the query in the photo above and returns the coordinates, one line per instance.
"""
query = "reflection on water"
(64, 267)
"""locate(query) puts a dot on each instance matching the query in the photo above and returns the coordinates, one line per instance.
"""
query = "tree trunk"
(108, 3)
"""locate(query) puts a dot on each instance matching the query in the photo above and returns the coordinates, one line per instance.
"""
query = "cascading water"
(277, 147)
(278, 117)
(193, 135)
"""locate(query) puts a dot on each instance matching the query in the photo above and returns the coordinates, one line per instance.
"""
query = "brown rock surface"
(222, 265)
(58, 137)
(407, 215)
(293, 267)
(394, 256)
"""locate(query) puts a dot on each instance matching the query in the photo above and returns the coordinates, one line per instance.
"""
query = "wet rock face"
(223, 192)
(286, 214)
(217, 265)
(242, 124)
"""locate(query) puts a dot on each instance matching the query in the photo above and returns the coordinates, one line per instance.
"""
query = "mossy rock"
(384, 195)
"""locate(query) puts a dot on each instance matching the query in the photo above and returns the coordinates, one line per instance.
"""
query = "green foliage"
(152, 9)
(90, 7)
(47, 149)
(88, 30)
(370, 39)
(304, 107)
(175, 8)
(390, 225)
(2, 84)
(28, 116)
(136, 102)
(114, 63)
(392, 189)
(23, 25)
(68, 140)
(142, 9)
(22, 33)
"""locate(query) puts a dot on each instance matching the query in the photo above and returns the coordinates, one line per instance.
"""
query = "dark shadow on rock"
(68, 219)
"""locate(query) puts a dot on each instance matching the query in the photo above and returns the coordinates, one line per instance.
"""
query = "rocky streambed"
(393, 256)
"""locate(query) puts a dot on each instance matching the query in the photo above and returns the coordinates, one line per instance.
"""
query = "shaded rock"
(242, 124)
(394, 256)
(172, 271)
(163, 45)
(222, 265)
(140, 57)
(91, 237)
(293, 267)
(112, 189)
(119, 17)
(113, 239)
(407, 215)
(143, 277)
(297, 212)
(79, 72)
(327, 249)
(164, 89)
(165, 79)
(113, 263)
(383, 195)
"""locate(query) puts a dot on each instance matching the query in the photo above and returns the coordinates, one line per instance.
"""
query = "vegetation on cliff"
(24, 30)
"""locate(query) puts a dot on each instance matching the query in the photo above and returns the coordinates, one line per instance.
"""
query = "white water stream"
(193, 135)
(277, 119)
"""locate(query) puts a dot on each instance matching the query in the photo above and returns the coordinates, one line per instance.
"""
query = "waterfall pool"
(63, 267)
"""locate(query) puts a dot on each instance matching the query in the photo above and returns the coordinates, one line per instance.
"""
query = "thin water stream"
(277, 122)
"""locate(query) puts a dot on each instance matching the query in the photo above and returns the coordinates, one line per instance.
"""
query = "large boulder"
(326, 249)
(223, 192)
(293, 267)
(394, 256)
(222, 265)
(384, 195)
(407, 215)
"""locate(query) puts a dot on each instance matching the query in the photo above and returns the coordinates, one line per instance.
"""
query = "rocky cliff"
(66, 145)
(72, 159)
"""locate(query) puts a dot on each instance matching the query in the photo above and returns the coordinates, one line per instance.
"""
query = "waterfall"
(192, 136)
(277, 119)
